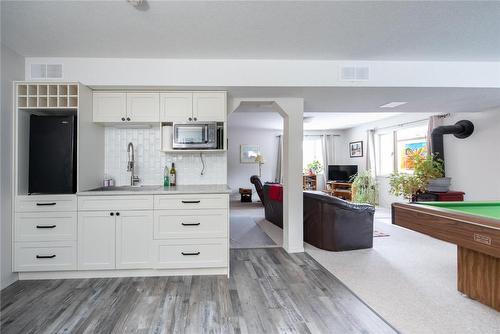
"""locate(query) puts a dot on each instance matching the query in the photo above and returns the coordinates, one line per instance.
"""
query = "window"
(395, 148)
(312, 150)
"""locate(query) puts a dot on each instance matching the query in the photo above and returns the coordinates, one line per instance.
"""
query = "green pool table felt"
(485, 209)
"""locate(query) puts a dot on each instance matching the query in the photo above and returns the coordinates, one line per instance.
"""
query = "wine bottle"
(173, 175)
(166, 177)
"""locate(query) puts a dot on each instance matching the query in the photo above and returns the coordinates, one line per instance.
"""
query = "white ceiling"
(404, 30)
(369, 99)
(264, 118)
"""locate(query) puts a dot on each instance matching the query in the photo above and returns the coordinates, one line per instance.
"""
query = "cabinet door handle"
(111, 213)
(195, 119)
(128, 118)
(45, 226)
(117, 213)
(191, 202)
(123, 119)
(46, 204)
(46, 256)
(190, 119)
(188, 254)
(190, 224)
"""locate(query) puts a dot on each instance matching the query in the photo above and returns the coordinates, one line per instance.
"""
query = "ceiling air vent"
(46, 71)
(354, 73)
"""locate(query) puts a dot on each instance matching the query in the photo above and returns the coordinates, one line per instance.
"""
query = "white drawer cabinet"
(211, 223)
(134, 240)
(45, 256)
(45, 226)
(96, 240)
(191, 202)
(192, 253)
(46, 203)
(115, 203)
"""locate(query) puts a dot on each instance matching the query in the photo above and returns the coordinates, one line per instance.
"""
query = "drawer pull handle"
(46, 204)
(186, 254)
(191, 202)
(46, 256)
(190, 224)
(45, 226)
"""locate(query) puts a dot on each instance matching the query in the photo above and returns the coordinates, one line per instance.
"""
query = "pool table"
(475, 228)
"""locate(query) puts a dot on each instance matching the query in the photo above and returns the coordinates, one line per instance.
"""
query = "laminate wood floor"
(269, 291)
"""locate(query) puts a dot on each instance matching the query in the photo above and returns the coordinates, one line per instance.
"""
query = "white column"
(292, 111)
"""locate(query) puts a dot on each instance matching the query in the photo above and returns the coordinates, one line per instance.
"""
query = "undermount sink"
(128, 188)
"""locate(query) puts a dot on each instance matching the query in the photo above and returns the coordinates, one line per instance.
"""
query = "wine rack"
(47, 96)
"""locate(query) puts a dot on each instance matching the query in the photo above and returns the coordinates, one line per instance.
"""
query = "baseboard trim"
(122, 273)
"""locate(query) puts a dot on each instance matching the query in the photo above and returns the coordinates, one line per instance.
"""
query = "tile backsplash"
(150, 162)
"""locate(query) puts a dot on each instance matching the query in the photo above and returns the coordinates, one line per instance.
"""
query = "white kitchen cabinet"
(134, 240)
(109, 107)
(185, 107)
(45, 256)
(176, 107)
(209, 106)
(96, 240)
(143, 107)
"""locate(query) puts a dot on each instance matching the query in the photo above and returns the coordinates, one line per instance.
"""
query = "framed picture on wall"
(248, 153)
(356, 149)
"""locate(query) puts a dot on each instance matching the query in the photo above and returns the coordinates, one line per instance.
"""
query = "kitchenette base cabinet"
(192, 253)
(134, 240)
(96, 240)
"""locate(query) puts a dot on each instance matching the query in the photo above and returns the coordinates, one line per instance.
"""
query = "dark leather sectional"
(330, 223)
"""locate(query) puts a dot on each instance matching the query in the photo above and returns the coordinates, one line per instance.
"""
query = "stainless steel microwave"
(195, 135)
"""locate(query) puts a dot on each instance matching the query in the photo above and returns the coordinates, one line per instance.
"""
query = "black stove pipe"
(461, 129)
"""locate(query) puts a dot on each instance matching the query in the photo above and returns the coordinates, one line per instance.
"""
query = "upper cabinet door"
(143, 107)
(176, 107)
(209, 106)
(109, 107)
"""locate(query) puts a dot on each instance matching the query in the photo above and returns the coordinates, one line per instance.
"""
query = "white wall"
(474, 163)
(239, 173)
(150, 162)
(286, 73)
(477, 155)
(12, 68)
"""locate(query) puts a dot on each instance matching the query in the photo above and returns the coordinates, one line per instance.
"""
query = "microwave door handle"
(206, 133)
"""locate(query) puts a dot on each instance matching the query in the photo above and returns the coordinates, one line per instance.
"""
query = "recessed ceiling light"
(392, 104)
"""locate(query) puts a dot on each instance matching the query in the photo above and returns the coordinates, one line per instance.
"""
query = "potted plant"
(364, 188)
(313, 168)
(406, 185)
(428, 171)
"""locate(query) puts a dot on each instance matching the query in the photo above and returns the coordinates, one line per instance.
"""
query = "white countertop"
(160, 190)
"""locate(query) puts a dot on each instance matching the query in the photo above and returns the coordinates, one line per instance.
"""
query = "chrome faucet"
(134, 179)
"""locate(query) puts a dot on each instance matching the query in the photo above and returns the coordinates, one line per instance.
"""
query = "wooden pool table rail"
(478, 233)
(478, 241)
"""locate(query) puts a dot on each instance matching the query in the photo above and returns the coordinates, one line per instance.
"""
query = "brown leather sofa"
(333, 224)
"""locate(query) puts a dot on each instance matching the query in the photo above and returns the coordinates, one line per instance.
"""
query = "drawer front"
(185, 224)
(192, 253)
(46, 203)
(115, 203)
(191, 202)
(45, 256)
(45, 226)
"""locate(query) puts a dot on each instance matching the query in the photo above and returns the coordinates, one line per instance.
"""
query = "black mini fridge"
(52, 155)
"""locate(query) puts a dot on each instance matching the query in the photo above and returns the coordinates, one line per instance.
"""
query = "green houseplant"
(426, 169)
(315, 167)
(364, 188)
